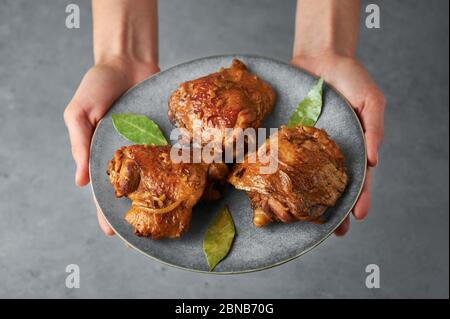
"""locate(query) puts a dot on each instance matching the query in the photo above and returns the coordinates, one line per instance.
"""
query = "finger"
(372, 118)
(104, 224)
(343, 228)
(102, 221)
(80, 132)
(361, 208)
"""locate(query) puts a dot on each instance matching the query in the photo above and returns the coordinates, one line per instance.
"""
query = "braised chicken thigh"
(231, 98)
(310, 177)
(162, 192)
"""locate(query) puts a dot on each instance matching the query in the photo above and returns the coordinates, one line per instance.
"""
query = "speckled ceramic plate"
(253, 248)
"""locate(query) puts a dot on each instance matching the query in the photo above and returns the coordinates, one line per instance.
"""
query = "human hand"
(351, 79)
(99, 88)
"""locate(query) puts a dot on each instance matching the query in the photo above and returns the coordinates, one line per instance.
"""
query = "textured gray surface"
(46, 223)
(254, 248)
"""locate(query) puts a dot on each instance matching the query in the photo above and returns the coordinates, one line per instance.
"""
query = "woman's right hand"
(99, 88)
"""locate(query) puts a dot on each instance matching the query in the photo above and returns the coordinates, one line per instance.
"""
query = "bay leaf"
(218, 238)
(309, 109)
(138, 129)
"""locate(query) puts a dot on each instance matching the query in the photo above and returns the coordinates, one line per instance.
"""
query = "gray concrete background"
(47, 223)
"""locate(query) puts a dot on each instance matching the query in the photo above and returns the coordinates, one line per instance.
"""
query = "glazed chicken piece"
(162, 192)
(310, 176)
(230, 98)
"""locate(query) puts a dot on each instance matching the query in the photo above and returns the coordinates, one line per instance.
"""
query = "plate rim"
(128, 244)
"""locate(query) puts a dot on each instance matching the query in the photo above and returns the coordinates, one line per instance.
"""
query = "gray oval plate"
(253, 248)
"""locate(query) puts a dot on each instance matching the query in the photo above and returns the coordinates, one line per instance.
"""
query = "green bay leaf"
(218, 238)
(138, 129)
(309, 109)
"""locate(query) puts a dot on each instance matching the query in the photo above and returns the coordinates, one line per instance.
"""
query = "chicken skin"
(310, 177)
(231, 98)
(162, 192)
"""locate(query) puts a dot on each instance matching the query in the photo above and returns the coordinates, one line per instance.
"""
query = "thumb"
(80, 132)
